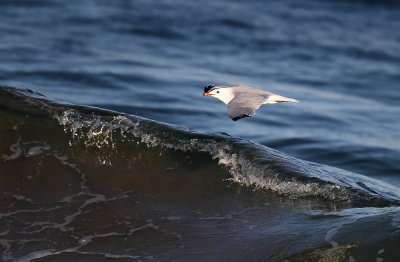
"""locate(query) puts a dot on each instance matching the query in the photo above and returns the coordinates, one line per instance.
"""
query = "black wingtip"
(207, 88)
(236, 118)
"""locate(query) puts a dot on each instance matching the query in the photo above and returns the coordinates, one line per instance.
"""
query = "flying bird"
(242, 100)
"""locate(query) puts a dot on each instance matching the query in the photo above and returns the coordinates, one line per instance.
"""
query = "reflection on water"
(84, 183)
(105, 186)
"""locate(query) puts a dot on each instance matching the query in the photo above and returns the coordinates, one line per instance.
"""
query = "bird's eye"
(217, 92)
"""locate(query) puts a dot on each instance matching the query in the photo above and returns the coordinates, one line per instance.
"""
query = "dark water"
(93, 185)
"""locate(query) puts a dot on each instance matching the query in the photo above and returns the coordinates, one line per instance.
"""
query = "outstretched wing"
(245, 105)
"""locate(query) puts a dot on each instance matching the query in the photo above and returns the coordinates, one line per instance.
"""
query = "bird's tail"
(273, 99)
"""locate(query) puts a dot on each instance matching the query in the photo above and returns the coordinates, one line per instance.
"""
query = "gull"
(242, 100)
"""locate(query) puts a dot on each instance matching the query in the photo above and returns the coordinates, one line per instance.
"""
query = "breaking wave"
(116, 139)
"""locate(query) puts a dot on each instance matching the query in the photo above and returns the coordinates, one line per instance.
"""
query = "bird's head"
(225, 94)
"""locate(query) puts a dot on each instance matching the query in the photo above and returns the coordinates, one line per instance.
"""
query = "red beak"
(207, 94)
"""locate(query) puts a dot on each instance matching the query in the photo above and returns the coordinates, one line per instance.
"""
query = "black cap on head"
(207, 88)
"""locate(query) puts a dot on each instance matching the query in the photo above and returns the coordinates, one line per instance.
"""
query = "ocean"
(109, 151)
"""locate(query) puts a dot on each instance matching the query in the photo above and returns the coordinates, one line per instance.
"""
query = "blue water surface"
(341, 59)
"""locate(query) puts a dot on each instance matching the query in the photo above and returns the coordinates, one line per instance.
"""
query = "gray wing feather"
(245, 105)
(250, 90)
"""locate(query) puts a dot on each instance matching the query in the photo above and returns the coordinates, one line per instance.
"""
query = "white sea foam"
(16, 152)
(308, 180)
